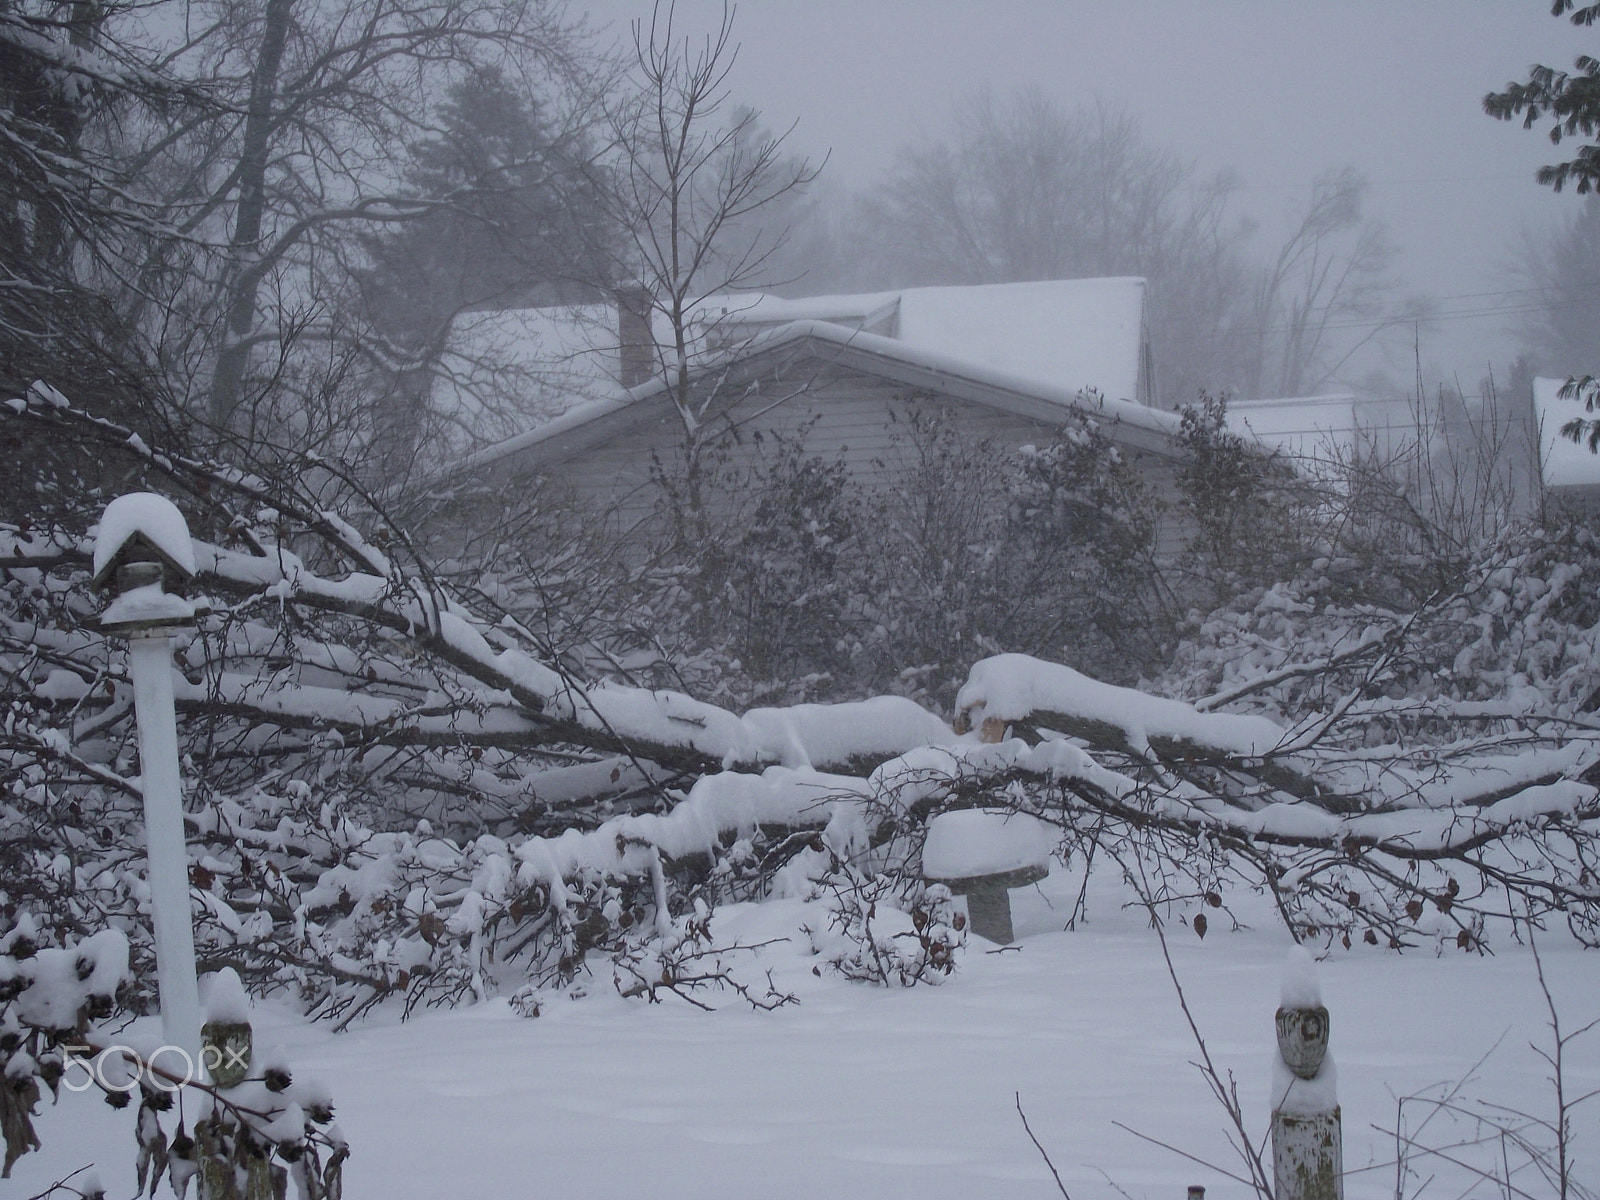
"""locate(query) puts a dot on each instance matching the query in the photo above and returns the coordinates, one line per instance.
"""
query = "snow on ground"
(859, 1091)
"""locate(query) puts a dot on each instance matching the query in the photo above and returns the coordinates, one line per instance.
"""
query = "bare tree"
(1325, 295)
(318, 103)
(1019, 189)
(695, 195)
(1558, 274)
(72, 219)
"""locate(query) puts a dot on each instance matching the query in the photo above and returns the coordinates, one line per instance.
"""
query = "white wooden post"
(150, 663)
(1307, 1141)
(144, 543)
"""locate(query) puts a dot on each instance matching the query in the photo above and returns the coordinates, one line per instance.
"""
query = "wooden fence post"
(1307, 1142)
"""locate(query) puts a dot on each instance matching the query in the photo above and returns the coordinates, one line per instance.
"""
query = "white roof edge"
(574, 418)
(764, 308)
(882, 312)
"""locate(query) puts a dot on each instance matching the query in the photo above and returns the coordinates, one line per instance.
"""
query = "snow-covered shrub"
(686, 960)
(1248, 516)
(57, 1003)
(792, 580)
(51, 997)
(1083, 574)
(1515, 639)
(882, 929)
(773, 576)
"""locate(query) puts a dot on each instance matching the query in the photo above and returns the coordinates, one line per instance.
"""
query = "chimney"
(635, 335)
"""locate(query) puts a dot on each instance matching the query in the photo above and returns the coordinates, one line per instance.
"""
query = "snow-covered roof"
(1048, 341)
(1566, 465)
(923, 368)
(551, 359)
(1075, 333)
(1071, 333)
(862, 310)
(147, 515)
(1323, 429)
(1300, 426)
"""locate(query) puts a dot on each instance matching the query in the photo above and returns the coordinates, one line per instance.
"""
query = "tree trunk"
(244, 277)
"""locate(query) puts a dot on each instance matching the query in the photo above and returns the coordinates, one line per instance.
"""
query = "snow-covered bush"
(1250, 518)
(51, 997)
(780, 577)
(884, 929)
(57, 1005)
(768, 556)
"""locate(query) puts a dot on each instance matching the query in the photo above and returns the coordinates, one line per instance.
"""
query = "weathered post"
(1307, 1143)
(227, 1041)
(226, 1053)
(143, 544)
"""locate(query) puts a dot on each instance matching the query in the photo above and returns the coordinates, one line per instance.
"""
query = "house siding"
(860, 419)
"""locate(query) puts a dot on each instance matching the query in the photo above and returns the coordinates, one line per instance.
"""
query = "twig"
(1042, 1152)
(1227, 1094)
(61, 1185)
(1554, 1058)
(1194, 1158)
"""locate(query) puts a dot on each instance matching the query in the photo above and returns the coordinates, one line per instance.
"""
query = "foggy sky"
(1276, 91)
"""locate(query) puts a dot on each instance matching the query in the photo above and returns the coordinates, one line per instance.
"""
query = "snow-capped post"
(1307, 1142)
(227, 1041)
(142, 547)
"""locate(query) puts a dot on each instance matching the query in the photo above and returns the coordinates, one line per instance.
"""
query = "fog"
(1273, 92)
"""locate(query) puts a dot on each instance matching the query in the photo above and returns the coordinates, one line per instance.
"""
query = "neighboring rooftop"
(1325, 429)
(1073, 333)
(1568, 468)
(1064, 333)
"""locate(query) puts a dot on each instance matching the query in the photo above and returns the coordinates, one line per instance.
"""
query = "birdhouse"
(144, 557)
(147, 534)
(139, 562)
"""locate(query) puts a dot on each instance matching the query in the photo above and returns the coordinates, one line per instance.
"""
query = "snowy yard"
(559, 670)
(859, 1091)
